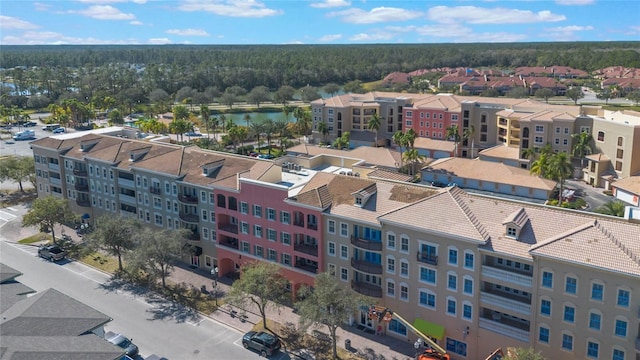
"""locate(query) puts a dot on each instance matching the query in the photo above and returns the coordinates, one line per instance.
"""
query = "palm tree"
(223, 121)
(540, 166)
(282, 127)
(179, 127)
(247, 118)
(410, 137)
(303, 122)
(214, 126)
(560, 169)
(256, 128)
(342, 141)
(287, 109)
(529, 153)
(401, 140)
(269, 130)
(468, 134)
(374, 125)
(323, 129)
(412, 157)
(582, 145)
(229, 124)
(205, 114)
(452, 132)
(614, 208)
(234, 134)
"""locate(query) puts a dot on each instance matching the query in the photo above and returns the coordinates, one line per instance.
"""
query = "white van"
(25, 135)
(50, 127)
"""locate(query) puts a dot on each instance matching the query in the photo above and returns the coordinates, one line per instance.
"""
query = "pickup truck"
(262, 342)
(122, 341)
(51, 252)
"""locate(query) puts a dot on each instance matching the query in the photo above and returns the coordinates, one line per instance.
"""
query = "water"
(238, 118)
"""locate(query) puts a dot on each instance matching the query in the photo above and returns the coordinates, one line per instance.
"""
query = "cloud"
(453, 33)
(478, 15)
(330, 4)
(232, 8)
(136, 22)
(98, 2)
(8, 22)
(378, 36)
(54, 38)
(572, 28)
(187, 32)
(575, 2)
(105, 12)
(375, 15)
(159, 41)
(566, 33)
(330, 37)
(41, 6)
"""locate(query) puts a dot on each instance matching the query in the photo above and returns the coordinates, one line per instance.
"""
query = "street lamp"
(214, 273)
(417, 345)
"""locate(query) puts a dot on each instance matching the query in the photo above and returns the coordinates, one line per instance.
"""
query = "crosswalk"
(7, 214)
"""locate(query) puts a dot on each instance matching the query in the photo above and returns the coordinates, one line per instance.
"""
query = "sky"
(236, 22)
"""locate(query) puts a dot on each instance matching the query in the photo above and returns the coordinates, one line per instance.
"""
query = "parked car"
(30, 124)
(266, 156)
(25, 135)
(193, 133)
(262, 342)
(122, 341)
(58, 130)
(51, 252)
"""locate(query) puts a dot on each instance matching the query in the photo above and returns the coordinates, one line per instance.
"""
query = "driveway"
(592, 195)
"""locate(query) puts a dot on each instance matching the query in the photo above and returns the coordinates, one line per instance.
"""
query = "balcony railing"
(298, 222)
(504, 329)
(638, 343)
(81, 187)
(56, 181)
(366, 289)
(54, 166)
(230, 243)
(366, 266)
(506, 276)
(312, 226)
(190, 218)
(155, 190)
(127, 199)
(366, 244)
(126, 182)
(231, 228)
(194, 236)
(427, 258)
(306, 248)
(79, 172)
(306, 267)
(83, 202)
(188, 199)
(505, 304)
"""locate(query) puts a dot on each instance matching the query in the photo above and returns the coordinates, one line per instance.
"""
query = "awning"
(86, 216)
(197, 251)
(429, 328)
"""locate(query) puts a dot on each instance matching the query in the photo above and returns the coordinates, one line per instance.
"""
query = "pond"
(238, 118)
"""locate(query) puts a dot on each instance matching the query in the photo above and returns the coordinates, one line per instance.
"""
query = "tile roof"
(389, 175)
(372, 155)
(630, 184)
(501, 151)
(434, 144)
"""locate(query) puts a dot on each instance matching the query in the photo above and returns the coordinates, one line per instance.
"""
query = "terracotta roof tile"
(630, 184)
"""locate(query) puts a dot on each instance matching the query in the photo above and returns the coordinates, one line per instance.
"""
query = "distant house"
(561, 72)
(628, 190)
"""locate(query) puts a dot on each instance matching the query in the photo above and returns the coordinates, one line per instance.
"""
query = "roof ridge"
(456, 194)
(598, 225)
(563, 235)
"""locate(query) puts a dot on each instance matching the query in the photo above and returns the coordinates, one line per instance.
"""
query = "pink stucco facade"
(431, 123)
(256, 224)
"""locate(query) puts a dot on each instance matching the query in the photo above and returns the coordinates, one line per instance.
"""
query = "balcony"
(55, 181)
(188, 199)
(638, 344)
(190, 218)
(366, 289)
(229, 242)
(230, 228)
(312, 226)
(80, 172)
(81, 187)
(505, 304)
(193, 236)
(83, 202)
(366, 243)
(127, 199)
(306, 267)
(155, 190)
(306, 249)
(504, 329)
(298, 222)
(366, 266)
(507, 276)
(126, 182)
(54, 166)
(427, 258)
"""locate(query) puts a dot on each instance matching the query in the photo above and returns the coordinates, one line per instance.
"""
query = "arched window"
(525, 132)
(600, 136)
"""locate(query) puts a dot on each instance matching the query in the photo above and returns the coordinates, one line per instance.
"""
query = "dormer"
(86, 145)
(515, 222)
(361, 196)
(212, 167)
(136, 155)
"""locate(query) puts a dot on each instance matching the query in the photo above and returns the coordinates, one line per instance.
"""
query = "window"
(257, 231)
(547, 279)
(404, 292)
(539, 128)
(257, 211)
(621, 328)
(571, 285)
(545, 307)
(205, 215)
(600, 136)
(246, 247)
(620, 140)
(285, 238)
(397, 327)
(456, 347)
(404, 244)
(244, 207)
(244, 227)
(623, 298)
(451, 306)
(468, 260)
(428, 275)
(331, 227)
(285, 217)
(427, 299)
(391, 241)
(391, 289)
(273, 255)
(543, 334)
(404, 268)
(344, 229)
(512, 232)
(258, 251)
(452, 282)
(595, 320)
(344, 251)
(272, 235)
(391, 265)
(467, 311)
(286, 259)
(567, 342)
(344, 274)
(467, 286)
(453, 257)
(592, 349)
(569, 313)
(271, 214)
(597, 291)
(557, 130)
(332, 248)
(332, 269)
(618, 354)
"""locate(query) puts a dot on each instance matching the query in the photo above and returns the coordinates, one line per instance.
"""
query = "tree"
(323, 129)
(468, 134)
(228, 99)
(329, 303)
(258, 94)
(262, 285)
(247, 118)
(574, 94)
(604, 94)
(354, 86)
(452, 132)
(634, 96)
(309, 93)
(342, 141)
(540, 166)
(158, 251)
(544, 93)
(115, 235)
(518, 93)
(529, 153)
(523, 354)
(47, 212)
(180, 112)
(179, 127)
(256, 128)
(205, 115)
(284, 94)
(560, 169)
(115, 117)
(303, 120)
(235, 135)
(412, 157)
(401, 140)
(18, 169)
(332, 88)
(374, 125)
(613, 208)
(582, 145)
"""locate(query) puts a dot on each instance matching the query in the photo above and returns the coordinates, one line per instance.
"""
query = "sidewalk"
(370, 346)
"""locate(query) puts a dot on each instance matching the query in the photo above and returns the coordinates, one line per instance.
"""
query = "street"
(154, 324)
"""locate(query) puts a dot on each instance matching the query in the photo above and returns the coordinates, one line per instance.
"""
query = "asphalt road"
(155, 325)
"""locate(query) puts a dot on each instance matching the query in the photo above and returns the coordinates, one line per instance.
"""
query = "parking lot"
(22, 148)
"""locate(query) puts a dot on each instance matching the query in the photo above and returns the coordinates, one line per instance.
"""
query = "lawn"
(100, 261)
(35, 238)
